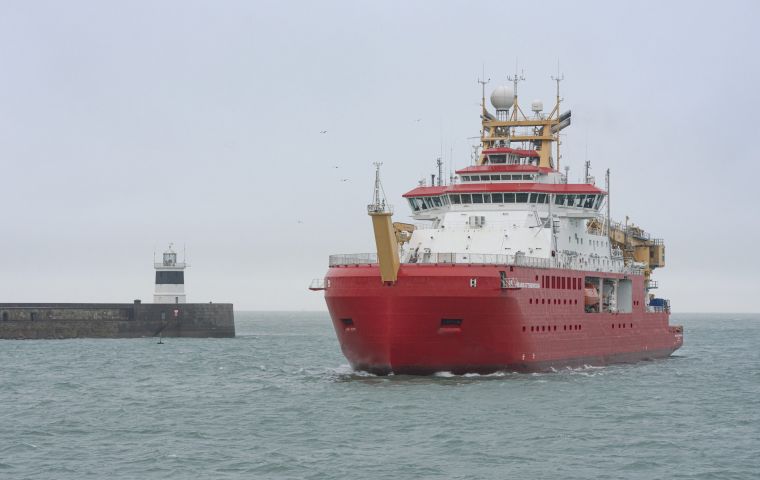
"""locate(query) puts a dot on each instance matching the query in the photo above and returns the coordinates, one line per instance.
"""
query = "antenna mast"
(439, 162)
(515, 79)
(378, 203)
(607, 187)
(483, 93)
(558, 78)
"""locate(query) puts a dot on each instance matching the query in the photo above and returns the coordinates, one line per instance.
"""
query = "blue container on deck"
(657, 302)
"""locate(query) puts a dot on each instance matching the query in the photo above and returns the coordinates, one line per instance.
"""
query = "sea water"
(280, 401)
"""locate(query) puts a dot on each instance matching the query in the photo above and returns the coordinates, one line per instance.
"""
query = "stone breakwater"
(115, 320)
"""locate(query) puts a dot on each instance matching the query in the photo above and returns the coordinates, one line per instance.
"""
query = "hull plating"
(435, 318)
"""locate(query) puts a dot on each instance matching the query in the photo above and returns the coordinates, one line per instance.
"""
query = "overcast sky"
(127, 125)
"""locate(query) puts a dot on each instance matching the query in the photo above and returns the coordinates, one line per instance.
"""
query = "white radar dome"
(537, 106)
(502, 97)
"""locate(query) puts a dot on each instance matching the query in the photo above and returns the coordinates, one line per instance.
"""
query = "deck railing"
(560, 261)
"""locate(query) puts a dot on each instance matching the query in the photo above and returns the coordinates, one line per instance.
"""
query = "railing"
(379, 208)
(560, 261)
(353, 259)
(479, 259)
(317, 284)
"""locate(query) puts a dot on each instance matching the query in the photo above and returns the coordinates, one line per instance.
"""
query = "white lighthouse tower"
(170, 279)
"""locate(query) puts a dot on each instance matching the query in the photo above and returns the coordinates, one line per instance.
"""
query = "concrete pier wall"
(115, 320)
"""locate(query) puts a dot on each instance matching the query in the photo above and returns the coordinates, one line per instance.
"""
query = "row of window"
(561, 283)
(512, 159)
(552, 328)
(578, 201)
(497, 177)
(555, 301)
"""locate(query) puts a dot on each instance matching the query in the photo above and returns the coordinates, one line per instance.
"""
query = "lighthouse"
(170, 279)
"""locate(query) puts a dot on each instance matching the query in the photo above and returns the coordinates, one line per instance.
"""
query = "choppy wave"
(283, 403)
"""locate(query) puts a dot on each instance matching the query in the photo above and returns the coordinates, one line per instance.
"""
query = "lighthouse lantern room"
(170, 279)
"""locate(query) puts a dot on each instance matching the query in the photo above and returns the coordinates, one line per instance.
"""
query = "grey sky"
(124, 126)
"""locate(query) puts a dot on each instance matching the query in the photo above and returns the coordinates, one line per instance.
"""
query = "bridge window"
(454, 198)
(559, 200)
(497, 158)
(477, 198)
(522, 197)
(589, 201)
(509, 198)
(466, 198)
(437, 201)
(497, 198)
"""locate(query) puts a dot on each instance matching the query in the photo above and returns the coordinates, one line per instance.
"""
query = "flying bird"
(343, 179)
(323, 131)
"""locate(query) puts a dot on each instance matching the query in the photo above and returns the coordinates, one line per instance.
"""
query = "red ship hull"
(433, 319)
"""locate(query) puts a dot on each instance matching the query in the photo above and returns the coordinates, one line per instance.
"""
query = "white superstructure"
(536, 216)
(170, 279)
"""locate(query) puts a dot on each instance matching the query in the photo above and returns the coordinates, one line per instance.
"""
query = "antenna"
(587, 163)
(588, 171)
(451, 163)
(483, 90)
(515, 79)
(378, 188)
(439, 162)
(607, 187)
(558, 78)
